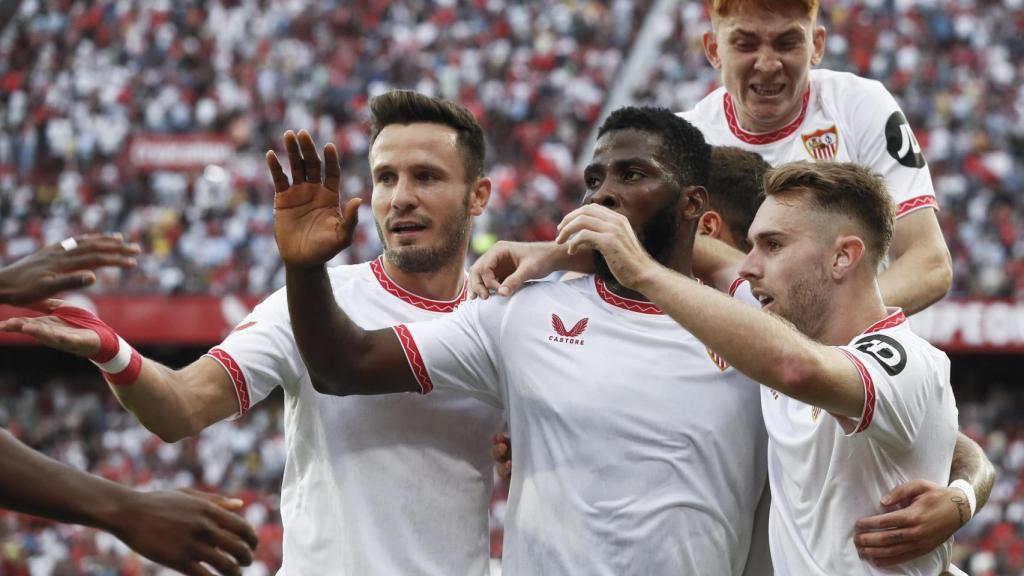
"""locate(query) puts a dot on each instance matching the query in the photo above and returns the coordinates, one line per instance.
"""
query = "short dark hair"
(842, 188)
(682, 144)
(736, 187)
(408, 107)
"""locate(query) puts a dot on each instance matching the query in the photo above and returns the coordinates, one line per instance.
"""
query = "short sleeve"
(898, 382)
(886, 144)
(261, 353)
(460, 351)
(741, 291)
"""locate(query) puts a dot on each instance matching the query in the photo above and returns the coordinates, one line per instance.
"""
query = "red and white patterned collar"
(769, 137)
(894, 319)
(624, 303)
(392, 287)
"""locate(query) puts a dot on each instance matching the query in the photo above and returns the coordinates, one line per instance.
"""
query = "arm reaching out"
(508, 265)
(64, 266)
(311, 227)
(178, 529)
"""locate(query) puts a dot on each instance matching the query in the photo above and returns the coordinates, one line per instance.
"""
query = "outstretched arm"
(922, 515)
(64, 266)
(780, 357)
(178, 529)
(311, 227)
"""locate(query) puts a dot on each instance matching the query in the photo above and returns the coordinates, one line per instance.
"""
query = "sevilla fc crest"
(823, 144)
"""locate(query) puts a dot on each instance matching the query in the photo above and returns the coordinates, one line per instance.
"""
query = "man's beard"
(422, 259)
(658, 236)
(806, 303)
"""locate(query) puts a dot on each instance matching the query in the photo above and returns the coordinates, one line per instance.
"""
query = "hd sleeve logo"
(570, 336)
(888, 352)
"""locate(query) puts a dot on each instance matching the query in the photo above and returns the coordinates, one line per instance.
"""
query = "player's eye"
(592, 183)
(632, 175)
(386, 178)
(426, 177)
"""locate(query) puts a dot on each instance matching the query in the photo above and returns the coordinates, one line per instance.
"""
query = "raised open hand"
(310, 225)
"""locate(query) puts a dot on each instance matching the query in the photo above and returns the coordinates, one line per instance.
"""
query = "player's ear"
(711, 49)
(692, 202)
(710, 224)
(479, 193)
(818, 41)
(847, 255)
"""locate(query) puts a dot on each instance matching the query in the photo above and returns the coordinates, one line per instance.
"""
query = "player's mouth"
(407, 229)
(767, 90)
(764, 299)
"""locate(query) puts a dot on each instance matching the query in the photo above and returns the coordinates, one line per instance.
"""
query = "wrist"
(968, 490)
(117, 360)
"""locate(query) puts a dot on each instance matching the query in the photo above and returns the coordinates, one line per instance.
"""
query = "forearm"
(35, 484)
(163, 402)
(715, 262)
(760, 345)
(916, 280)
(331, 344)
(971, 464)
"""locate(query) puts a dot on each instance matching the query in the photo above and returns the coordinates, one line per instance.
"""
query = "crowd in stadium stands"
(74, 419)
(80, 81)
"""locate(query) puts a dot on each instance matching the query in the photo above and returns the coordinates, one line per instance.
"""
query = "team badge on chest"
(823, 144)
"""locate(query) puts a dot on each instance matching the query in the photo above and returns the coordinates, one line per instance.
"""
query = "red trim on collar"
(768, 138)
(624, 303)
(377, 267)
(891, 321)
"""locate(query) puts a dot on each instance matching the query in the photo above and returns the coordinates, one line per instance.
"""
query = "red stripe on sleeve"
(869, 392)
(412, 354)
(237, 377)
(736, 286)
(908, 206)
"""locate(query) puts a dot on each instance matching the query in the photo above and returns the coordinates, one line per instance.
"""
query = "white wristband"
(965, 487)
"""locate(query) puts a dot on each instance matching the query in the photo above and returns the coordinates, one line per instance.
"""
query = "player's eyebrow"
(765, 235)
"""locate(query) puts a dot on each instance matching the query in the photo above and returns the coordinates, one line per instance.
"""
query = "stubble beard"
(423, 259)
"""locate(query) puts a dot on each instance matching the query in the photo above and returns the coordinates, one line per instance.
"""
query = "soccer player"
(853, 400)
(624, 416)
(773, 103)
(395, 485)
(179, 529)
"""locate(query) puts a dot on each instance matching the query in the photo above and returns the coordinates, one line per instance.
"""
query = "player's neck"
(678, 261)
(443, 284)
(852, 313)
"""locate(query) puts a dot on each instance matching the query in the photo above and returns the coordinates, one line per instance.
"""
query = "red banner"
(145, 320)
(973, 325)
(187, 152)
(954, 326)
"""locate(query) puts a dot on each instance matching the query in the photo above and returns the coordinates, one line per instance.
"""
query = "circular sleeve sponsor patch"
(888, 352)
(901, 143)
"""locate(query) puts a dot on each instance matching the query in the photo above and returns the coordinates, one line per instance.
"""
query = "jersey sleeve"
(261, 353)
(899, 379)
(742, 291)
(885, 143)
(459, 352)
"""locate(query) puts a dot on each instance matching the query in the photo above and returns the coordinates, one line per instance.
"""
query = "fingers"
(884, 538)
(45, 306)
(584, 222)
(501, 448)
(225, 515)
(277, 174)
(196, 569)
(90, 261)
(221, 562)
(64, 282)
(907, 492)
(106, 243)
(332, 168)
(891, 554)
(310, 158)
(505, 470)
(291, 146)
(886, 521)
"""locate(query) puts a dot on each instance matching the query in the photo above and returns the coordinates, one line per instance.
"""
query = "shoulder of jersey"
(845, 84)
(893, 348)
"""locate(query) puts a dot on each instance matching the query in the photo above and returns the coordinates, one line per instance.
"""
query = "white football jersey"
(394, 484)
(826, 471)
(636, 450)
(844, 118)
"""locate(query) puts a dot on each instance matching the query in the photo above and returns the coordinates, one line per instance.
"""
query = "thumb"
(230, 504)
(514, 282)
(45, 306)
(905, 492)
(350, 216)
